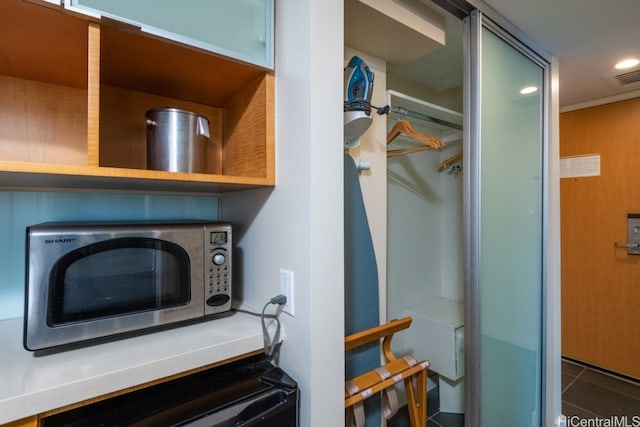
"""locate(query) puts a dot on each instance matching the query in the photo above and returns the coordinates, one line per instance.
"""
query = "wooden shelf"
(42, 44)
(75, 93)
(43, 175)
(140, 62)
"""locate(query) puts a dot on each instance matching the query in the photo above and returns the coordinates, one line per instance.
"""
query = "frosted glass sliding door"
(505, 214)
(511, 226)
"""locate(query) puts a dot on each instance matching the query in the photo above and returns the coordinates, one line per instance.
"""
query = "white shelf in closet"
(447, 134)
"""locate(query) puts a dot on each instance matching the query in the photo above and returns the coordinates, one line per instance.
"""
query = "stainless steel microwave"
(87, 280)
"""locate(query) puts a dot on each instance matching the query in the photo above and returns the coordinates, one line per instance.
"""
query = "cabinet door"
(241, 29)
(25, 422)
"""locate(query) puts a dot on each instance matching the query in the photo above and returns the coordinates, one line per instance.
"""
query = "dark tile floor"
(589, 393)
(435, 418)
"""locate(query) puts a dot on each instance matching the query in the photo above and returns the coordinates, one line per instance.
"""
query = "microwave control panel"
(218, 268)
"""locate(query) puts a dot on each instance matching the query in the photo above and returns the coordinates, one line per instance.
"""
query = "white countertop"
(32, 384)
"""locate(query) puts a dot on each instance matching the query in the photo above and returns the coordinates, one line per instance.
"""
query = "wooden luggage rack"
(383, 379)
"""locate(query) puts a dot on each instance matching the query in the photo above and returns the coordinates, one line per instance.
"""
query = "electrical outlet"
(286, 289)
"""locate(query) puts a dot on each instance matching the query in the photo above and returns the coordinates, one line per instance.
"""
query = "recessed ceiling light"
(627, 63)
(529, 89)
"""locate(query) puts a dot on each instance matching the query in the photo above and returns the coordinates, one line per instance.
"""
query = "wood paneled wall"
(601, 283)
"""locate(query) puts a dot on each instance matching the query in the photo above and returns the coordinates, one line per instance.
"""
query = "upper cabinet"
(240, 29)
(74, 91)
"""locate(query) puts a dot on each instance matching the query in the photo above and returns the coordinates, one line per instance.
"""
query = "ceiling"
(586, 36)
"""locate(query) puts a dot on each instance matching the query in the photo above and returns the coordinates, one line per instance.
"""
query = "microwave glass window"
(117, 277)
(218, 237)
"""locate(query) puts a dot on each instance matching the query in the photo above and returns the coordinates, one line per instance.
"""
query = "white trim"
(601, 101)
(552, 368)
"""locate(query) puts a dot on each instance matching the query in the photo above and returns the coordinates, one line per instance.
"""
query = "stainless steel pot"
(177, 140)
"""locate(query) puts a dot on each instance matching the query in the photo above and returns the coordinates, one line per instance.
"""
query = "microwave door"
(100, 285)
(111, 287)
(119, 277)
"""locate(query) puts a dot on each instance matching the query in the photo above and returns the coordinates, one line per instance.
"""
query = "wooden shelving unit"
(73, 94)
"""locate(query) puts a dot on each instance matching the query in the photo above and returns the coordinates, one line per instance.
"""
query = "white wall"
(298, 225)
(425, 231)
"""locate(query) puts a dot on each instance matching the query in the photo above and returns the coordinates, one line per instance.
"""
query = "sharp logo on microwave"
(64, 240)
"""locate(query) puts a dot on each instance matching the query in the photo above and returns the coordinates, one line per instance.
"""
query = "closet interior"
(421, 80)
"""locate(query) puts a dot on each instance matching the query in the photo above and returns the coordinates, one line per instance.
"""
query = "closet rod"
(420, 116)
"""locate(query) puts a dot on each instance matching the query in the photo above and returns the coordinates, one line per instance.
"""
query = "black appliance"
(249, 392)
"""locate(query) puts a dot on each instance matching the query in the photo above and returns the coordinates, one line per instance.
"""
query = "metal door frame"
(476, 14)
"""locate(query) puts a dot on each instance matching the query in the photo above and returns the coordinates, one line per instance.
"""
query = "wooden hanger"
(404, 127)
(445, 164)
(409, 150)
